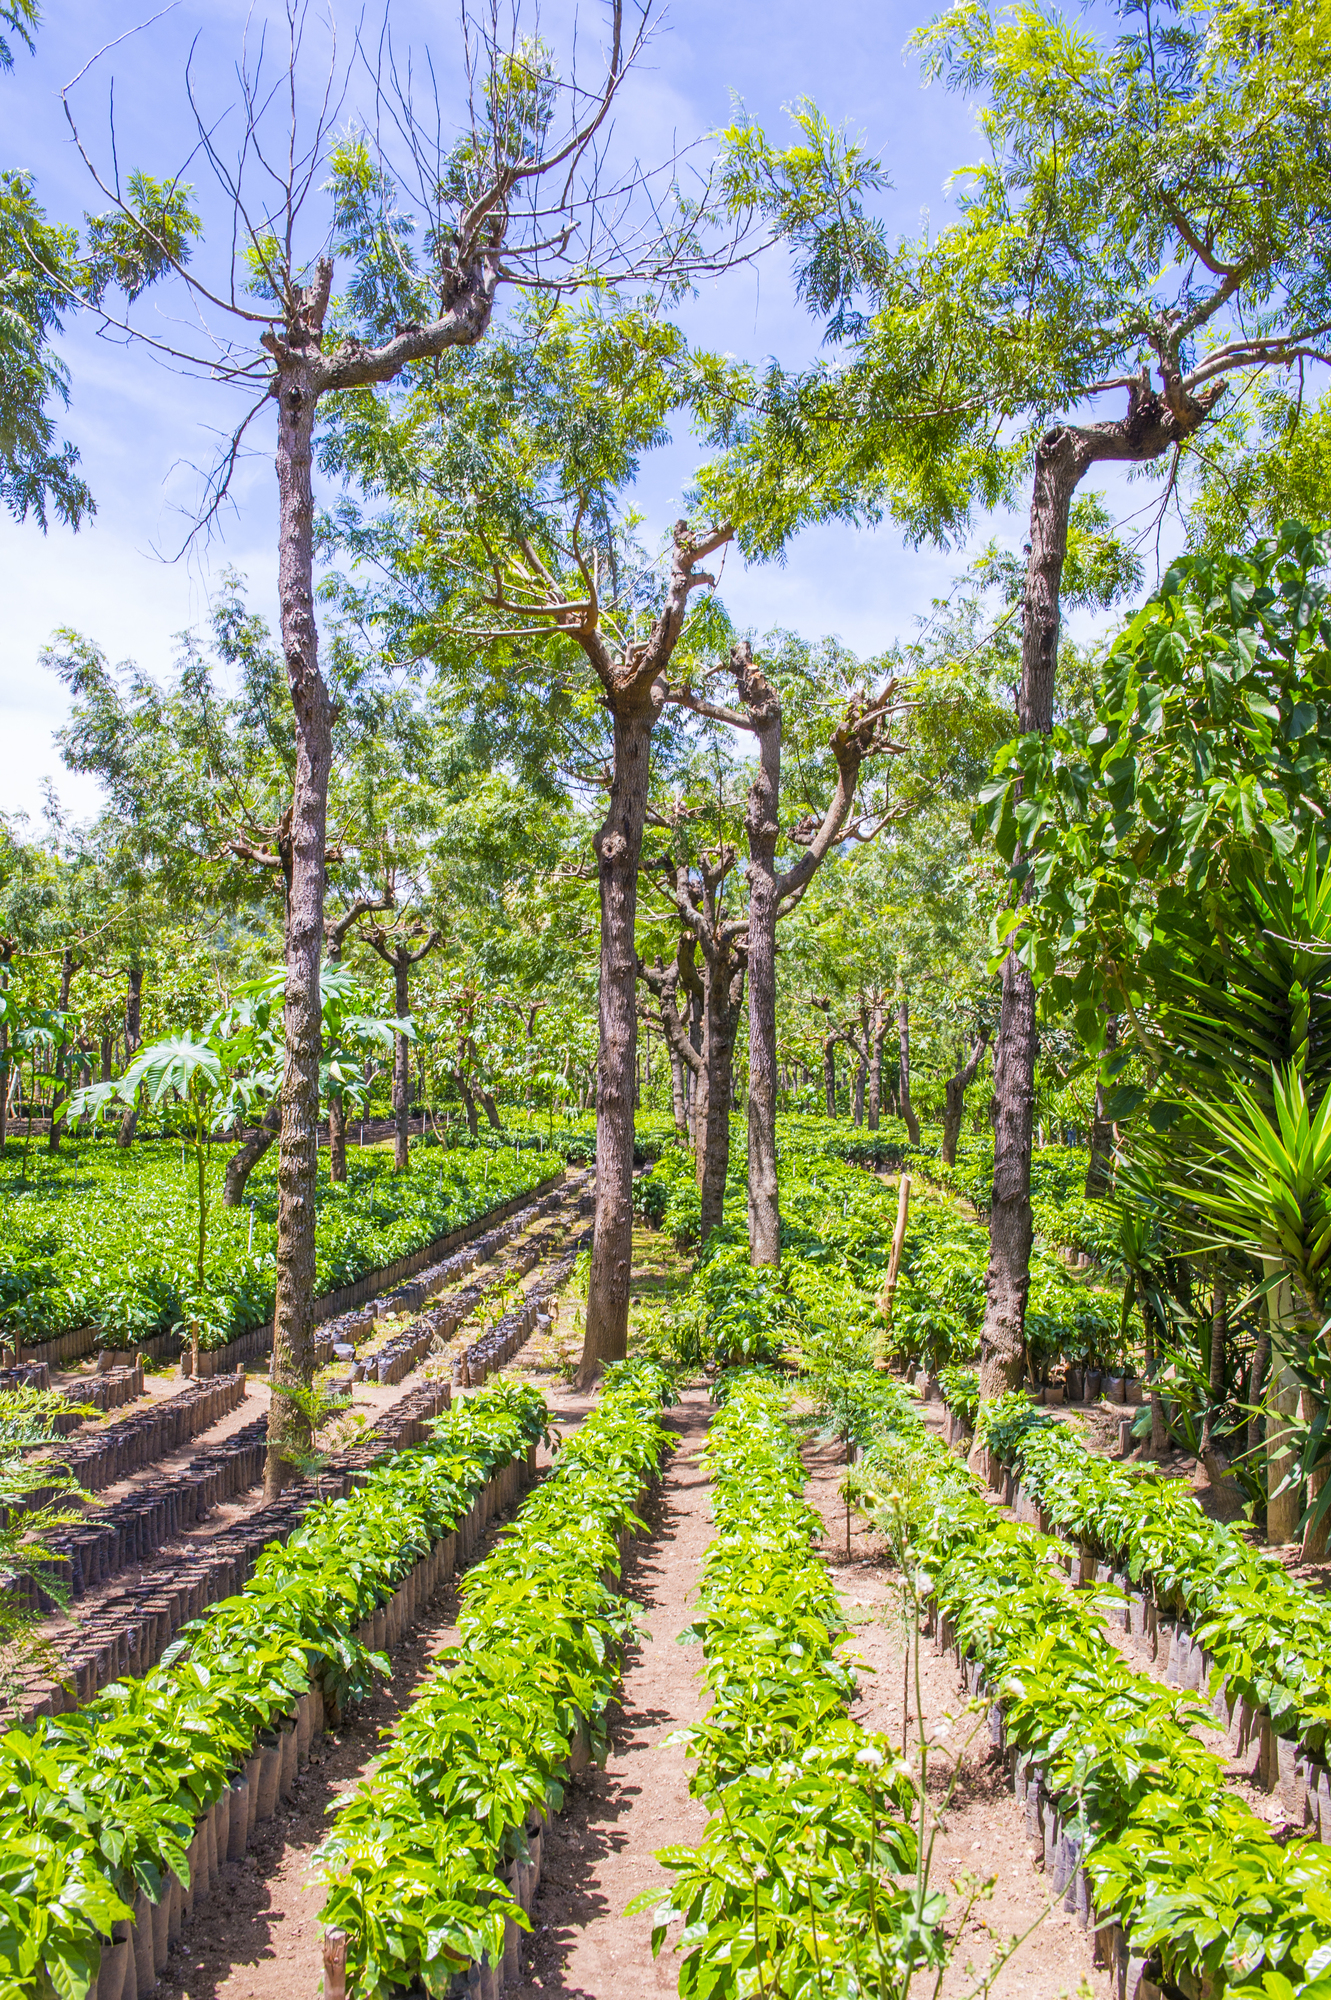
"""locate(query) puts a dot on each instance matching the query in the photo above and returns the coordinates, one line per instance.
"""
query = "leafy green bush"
(1269, 1635)
(1168, 1850)
(108, 1238)
(810, 1861)
(101, 1803)
(414, 1864)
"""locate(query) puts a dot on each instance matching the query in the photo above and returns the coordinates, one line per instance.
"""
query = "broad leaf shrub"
(1268, 1635)
(837, 1224)
(1167, 1850)
(97, 1804)
(806, 1882)
(108, 1238)
(413, 1864)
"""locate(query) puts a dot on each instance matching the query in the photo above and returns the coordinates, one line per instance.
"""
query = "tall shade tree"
(523, 197)
(1148, 224)
(774, 892)
(514, 565)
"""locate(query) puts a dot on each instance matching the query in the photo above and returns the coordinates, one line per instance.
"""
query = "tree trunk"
(1059, 464)
(1151, 1363)
(678, 1096)
(907, 1108)
(491, 1110)
(876, 1068)
(401, 1069)
(829, 1074)
(337, 1137)
(62, 1060)
(1215, 1374)
(762, 828)
(1102, 1131)
(133, 1023)
(861, 1079)
(618, 849)
(244, 1160)
(293, 1315)
(468, 1104)
(954, 1105)
(725, 998)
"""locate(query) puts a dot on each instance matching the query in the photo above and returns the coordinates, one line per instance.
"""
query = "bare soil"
(979, 1829)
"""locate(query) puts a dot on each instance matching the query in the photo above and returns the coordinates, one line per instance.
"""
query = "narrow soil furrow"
(598, 1852)
(982, 1831)
(106, 1633)
(259, 1937)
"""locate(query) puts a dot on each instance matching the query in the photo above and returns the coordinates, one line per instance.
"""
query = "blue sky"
(144, 432)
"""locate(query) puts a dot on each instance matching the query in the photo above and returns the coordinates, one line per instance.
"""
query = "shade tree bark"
(696, 893)
(954, 1099)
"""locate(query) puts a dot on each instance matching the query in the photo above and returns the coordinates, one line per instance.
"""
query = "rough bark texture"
(337, 1137)
(298, 1152)
(397, 954)
(878, 1030)
(762, 827)
(724, 982)
(244, 1160)
(1154, 424)
(903, 1085)
(1102, 1131)
(1059, 464)
(618, 848)
(954, 1098)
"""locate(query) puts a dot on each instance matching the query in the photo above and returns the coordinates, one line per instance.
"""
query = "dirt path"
(982, 1831)
(599, 1853)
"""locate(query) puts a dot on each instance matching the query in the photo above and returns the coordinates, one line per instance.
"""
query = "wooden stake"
(335, 1965)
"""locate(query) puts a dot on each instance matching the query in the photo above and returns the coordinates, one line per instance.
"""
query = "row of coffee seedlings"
(434, 1861)
(1140, 1835)
(110, 1816)
(810, 1877)
(1263, 1639)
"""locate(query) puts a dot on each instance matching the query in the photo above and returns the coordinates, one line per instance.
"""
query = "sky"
(145, 430)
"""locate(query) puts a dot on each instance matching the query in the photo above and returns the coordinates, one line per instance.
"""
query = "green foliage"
(810, 1860)
(1166, 1846)
(413, 1864)
(1269, 1635)
(102, 1802)
(1204, 763)
(109, 1238)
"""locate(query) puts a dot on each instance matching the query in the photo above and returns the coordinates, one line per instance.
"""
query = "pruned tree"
(1146, 226)
(526, 198)
(774, 892)
(401, 946)
(954, 1101)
